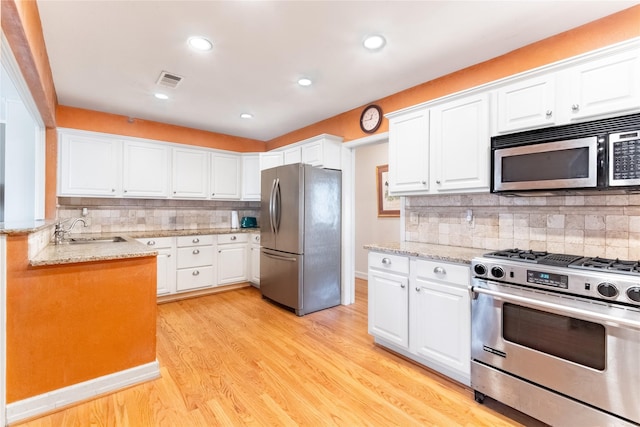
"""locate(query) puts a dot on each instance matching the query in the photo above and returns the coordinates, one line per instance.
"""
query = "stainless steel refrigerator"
(300, 235)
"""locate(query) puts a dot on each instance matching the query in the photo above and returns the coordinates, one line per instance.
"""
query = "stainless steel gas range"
(557, 336)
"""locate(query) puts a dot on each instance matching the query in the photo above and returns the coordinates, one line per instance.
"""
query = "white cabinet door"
(440, 324)
(89, 165)
(250, 177)
(606, 86)
(389, 307)
(254, 259)
(190, 175)
(225, 176)
(527, 104)
(271, 160)
(460, 145)
(232, 263)
(145, 169)
(409, 152)
(166, 263)
(292, 155)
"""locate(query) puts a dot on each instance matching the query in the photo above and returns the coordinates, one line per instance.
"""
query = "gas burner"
(519, 254)
(612, 265)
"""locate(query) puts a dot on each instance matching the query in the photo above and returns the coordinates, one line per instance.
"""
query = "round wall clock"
(371, 119)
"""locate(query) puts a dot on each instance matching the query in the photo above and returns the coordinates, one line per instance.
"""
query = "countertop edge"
(445, 253)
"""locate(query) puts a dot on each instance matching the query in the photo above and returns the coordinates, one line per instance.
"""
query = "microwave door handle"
(588, 315)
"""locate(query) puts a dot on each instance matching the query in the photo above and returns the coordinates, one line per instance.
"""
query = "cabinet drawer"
(157, 242)
(195, 256)
(233, 238)
(191, 278)
(458, 274)
(195, 240)
(388, 262)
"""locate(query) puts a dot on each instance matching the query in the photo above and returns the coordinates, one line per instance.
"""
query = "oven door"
(576, 347)
(546, 166)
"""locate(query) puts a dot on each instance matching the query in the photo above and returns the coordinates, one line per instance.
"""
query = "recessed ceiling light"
(200, 43)
(161, 96)
(246, 116)
(304, 82)
(374, 42)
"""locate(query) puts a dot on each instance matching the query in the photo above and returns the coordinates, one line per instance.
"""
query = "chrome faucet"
(60, 232)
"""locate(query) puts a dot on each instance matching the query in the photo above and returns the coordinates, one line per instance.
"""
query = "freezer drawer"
(281, 278)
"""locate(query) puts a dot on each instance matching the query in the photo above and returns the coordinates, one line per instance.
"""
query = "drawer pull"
(196, 240)
(386, 261)
(417, 289)
(439, 270)
(196, 273)
(402, 286)
(196, 251)
(151, 242)
(233, 237)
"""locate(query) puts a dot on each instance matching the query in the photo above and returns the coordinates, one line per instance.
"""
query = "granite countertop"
(67, 253)
(25, 227)
(446, 253)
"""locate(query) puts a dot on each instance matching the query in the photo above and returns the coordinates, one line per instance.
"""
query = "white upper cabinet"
(190, 173)
(460, 145)
(526, 104)
(292, 155)
(145, 167)
(225, 176)
(89, 165)
(409, 152)
(271, 159)
(605, 86)
(250, 177)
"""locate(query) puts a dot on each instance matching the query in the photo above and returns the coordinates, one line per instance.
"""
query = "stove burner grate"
(614, 265)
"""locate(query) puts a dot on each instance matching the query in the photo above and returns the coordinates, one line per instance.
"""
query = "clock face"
(371, 119)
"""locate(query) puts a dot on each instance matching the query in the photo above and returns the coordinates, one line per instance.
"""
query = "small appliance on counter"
(248, 222)
(234, 220)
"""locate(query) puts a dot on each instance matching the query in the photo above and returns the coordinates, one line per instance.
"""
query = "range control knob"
(480, 269)
(634, 293)
(607, 290)
(497, 272)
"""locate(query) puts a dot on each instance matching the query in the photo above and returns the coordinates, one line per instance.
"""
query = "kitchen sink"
(84, 240)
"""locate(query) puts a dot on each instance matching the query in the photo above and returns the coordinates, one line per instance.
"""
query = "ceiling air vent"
(169, 80)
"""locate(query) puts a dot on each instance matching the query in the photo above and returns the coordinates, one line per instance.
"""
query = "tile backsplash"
(593, 225)
(119, 215)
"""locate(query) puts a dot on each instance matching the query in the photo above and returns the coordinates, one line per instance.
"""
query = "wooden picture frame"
(388, 206)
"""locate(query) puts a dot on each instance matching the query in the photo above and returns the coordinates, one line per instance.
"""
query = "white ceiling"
(107, 55)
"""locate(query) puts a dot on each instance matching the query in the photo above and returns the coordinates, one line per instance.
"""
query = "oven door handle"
(598, 317)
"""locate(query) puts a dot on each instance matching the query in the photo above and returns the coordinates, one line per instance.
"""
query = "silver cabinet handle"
(213, 194)
(575, 107)
(151, 242)
(196, 251)
(402, 286)
(125, 191)
(439, 270)
(417, 289)
(386, 261)
(423, 182)
(196, 273)
(113, 190)
(233, 237)
(549, 113)
(168, 255)
(196, 240)
(438, 182)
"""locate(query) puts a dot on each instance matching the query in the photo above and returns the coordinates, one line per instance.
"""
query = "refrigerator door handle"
(281, 258)
(278, 203)
(272, 206)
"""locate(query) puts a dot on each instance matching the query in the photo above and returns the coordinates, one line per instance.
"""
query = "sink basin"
(84, 240)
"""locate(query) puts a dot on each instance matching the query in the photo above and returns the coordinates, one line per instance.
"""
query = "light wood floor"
(233, 359)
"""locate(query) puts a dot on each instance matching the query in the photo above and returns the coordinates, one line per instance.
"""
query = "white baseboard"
(362, 275)
(48, 402)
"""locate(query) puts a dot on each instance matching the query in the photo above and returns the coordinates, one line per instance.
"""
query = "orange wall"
(78, 118)
(72, 323)
(603, 32)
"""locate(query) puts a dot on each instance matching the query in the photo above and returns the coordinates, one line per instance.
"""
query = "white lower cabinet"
(232, 258)
(166, 259)
(440, 316)
(421, 309)
(254, 259)
(195, 262)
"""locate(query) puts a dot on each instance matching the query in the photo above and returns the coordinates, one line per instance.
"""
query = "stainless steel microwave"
(597, 155)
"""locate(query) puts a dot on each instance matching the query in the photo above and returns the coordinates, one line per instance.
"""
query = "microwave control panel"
(624, 158)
